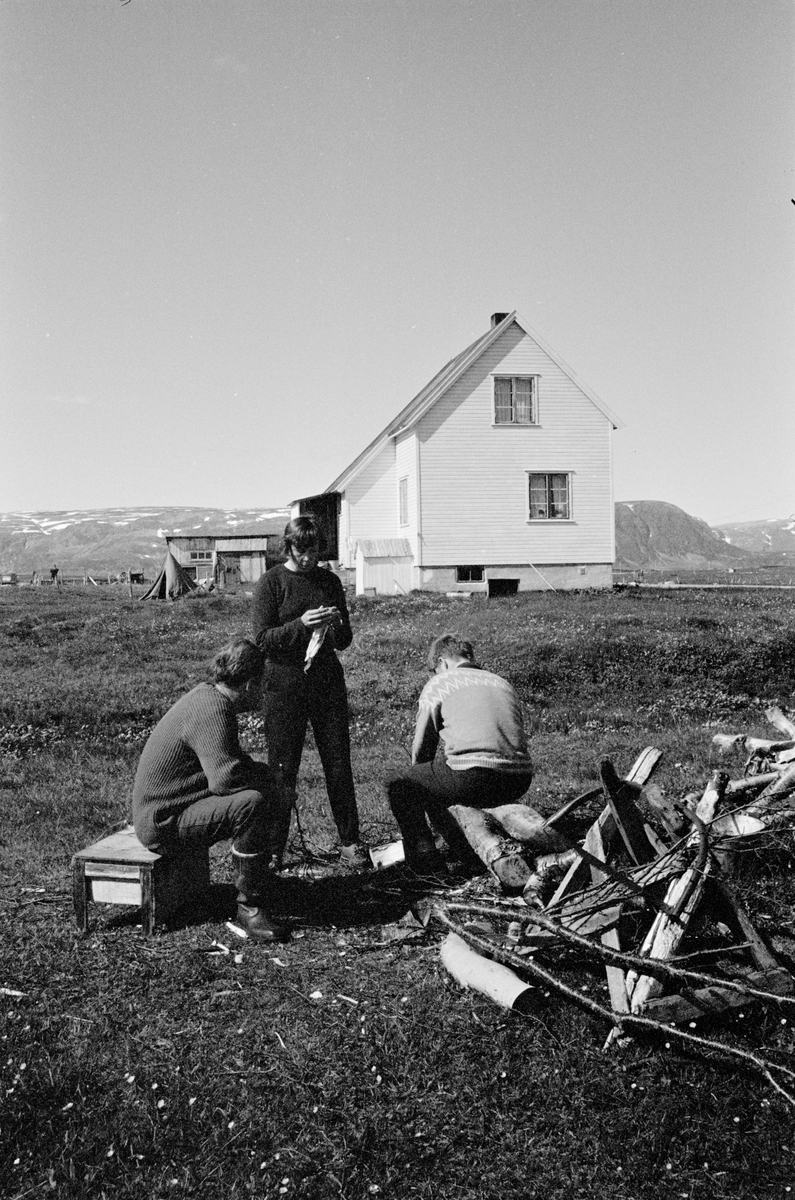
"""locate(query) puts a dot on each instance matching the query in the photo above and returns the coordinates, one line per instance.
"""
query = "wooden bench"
(119, 870)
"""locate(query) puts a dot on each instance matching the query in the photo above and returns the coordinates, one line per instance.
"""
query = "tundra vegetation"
(347, 1063)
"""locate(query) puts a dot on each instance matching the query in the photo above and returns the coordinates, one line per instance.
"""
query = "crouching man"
(194, 786)
(478, 717)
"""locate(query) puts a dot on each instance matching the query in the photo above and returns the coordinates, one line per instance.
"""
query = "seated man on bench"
(478, 717)
(195, 786)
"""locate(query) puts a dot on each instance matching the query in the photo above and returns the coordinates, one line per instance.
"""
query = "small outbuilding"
(225, 558)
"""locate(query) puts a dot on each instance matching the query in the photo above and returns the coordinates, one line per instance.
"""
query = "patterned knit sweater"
(192, 752)
(479, 718)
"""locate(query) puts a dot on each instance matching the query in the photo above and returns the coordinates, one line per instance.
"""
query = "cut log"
(772, 809)
(776, 717)
(522, 822)
(503, 856)
(546, 868)
(472, 970)
(508, 839)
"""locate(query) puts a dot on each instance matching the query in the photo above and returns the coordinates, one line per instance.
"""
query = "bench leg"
(147, 901)
(80, 894)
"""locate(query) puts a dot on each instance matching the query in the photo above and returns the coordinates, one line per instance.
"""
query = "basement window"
(469, 574)
(515, 400)
(550, 496)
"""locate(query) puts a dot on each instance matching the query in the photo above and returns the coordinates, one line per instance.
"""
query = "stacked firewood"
(630, 895)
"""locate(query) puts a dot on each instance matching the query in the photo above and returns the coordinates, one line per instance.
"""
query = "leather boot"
(253, 883)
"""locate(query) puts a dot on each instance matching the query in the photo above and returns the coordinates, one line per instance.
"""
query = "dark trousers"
(251, 819)
(293, 699)
(427, 790)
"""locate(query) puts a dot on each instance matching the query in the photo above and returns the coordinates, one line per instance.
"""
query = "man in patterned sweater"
(194, 785)
(478, 718)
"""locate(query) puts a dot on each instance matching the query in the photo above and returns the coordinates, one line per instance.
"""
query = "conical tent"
(171, 583)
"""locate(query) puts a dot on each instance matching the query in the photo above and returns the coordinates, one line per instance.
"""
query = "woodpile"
(648, 892)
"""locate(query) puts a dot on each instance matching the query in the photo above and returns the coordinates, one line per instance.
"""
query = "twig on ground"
(626, 1020)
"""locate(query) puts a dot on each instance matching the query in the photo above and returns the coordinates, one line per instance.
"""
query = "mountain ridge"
(650, 534)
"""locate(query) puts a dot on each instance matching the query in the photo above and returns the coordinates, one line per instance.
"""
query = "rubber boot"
(253, 883)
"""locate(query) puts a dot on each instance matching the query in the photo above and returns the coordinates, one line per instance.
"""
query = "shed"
(383, 565)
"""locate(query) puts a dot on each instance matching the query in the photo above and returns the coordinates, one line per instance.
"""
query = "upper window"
(201, 556)
(550, 497)
(403, 500)
(515, 400)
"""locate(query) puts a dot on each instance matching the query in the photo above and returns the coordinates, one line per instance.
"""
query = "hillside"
(649, 534)
(115, 539)
(763, 537)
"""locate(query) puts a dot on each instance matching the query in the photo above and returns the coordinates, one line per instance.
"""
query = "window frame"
(513, 423)
(550, 476)
(464, 574)
(403, 501)
(201, 556)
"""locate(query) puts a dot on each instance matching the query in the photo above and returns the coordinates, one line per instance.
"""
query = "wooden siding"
(371, 500)
(474, 474)
(406, 467)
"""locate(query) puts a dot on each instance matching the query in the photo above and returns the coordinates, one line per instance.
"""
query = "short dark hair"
(236, 663)
(301, 533)
(449, 645)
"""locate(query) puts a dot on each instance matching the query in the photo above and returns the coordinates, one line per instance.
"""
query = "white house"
(497, 477)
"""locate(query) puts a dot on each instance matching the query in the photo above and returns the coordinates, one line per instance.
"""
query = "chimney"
(496, 318)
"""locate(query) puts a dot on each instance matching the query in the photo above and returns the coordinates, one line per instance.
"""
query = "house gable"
(500, 466)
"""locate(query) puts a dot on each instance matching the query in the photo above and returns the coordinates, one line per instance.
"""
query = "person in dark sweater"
(300, 620)
(477, 717)
(194, 785)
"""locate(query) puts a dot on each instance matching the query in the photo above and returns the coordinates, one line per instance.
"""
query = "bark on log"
(508, 839)
(503, 856)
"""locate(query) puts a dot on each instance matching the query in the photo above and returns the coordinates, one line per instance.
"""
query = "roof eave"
(406, 419)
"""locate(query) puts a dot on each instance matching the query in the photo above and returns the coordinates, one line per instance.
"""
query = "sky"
(238, 236)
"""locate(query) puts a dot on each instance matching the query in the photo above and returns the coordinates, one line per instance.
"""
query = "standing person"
(300, 620)
(194, 785)
(478, 718)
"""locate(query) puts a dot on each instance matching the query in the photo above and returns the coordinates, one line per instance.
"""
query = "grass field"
(151, 1068)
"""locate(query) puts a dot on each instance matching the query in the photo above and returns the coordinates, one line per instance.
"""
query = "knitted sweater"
(281, 597)
(192, 752)
(478, 717)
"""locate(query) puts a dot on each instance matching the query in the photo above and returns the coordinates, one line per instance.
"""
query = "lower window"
(469, 574)
(550, 497)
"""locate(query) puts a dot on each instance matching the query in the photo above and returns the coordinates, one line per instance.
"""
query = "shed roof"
(385, 547)
(239, 544)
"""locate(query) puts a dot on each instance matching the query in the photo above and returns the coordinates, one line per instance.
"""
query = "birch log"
(472, 970)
